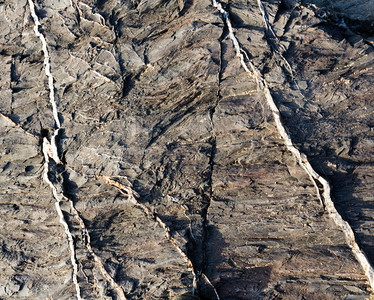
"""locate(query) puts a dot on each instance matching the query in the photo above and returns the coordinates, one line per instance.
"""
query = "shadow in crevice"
(187, 5)
(345, 175)
(70, 188)
(15, 118)
(346, 187)
(348, 13)
(98, 230)
(230, 279)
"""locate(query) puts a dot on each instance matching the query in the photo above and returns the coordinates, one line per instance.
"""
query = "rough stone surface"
(358, 13)
(171, 156)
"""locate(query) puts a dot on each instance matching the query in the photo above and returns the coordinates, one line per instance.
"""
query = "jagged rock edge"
(301, 157)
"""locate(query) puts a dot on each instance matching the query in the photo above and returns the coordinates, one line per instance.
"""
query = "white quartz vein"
(279, 49)
(50, 148)
(50, 152)
(301, 157)
(46, 63)
(62, 220)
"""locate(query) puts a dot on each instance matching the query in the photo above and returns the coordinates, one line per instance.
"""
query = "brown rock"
(175, 182)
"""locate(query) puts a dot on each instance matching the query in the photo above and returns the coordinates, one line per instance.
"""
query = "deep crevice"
(209, 195)
(127, 82)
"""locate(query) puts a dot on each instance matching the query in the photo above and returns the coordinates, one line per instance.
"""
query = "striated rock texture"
(155, 169)
(359, 14)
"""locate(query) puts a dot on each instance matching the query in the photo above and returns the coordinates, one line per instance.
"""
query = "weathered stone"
(175, 182)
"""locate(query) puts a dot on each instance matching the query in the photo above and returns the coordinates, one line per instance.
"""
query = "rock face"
(358, 13)
(174, 181)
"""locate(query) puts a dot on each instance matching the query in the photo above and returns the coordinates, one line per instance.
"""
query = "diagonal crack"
(274, 42)
(125, 78)
(47, 64)
(98, 261)
(208, 198)
(324, 193)
(132, 196)
(62, 220)
(9, 120)
(211, 285)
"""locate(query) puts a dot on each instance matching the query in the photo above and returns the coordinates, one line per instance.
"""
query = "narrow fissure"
(13, 80)
(125, 79)
(209, 196)
(208, 199)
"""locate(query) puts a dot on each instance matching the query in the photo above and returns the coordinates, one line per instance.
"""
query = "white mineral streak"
(211, 285)
(47, 66)
(97, 259)
(266, 18)
(50, 152)
(101, 18)
(62, 221)
(279, 47)
(50, 148)
(301, 157)
(46, 63)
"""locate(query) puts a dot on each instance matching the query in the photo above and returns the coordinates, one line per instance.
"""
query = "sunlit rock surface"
(171, 155)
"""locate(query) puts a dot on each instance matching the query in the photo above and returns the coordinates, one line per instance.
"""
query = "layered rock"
(174, 178)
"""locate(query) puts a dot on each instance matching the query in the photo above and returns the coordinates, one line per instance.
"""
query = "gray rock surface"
(174, 180)
(358, 12)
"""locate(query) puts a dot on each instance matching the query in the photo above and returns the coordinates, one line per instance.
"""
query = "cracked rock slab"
(171, 157)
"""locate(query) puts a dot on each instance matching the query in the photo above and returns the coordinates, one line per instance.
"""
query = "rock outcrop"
(141, 157)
